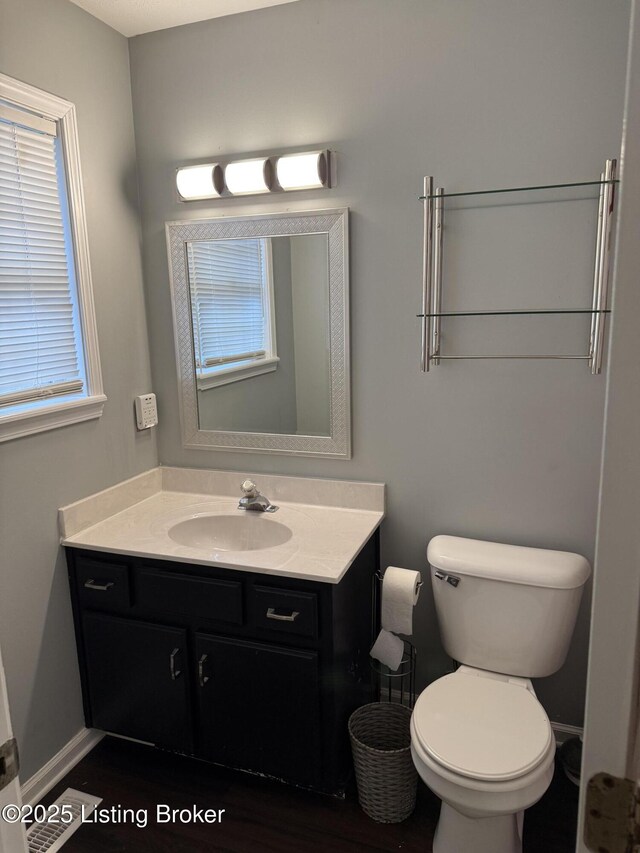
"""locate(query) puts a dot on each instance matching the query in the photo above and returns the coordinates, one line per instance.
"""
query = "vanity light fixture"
(304, 170)
(197, 182)
(247, 177)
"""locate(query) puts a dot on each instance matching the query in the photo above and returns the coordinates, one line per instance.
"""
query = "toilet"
(480, 739)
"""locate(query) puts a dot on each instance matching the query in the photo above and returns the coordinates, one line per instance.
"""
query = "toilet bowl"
(482, 742)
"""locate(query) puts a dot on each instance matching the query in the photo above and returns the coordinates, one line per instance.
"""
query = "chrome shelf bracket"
(427, 273)
(604, 234)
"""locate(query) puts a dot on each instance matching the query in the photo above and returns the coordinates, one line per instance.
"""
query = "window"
(232, 305)
(49, 365)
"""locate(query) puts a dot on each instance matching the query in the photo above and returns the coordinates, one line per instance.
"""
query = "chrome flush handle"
(450, 579)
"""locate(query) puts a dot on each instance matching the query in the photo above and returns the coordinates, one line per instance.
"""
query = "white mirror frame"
(334, 223)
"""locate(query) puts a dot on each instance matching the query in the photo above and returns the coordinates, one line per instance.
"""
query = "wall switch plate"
(146, 411)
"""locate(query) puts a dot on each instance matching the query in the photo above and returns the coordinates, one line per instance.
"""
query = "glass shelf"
(519, 189)
(509, 312)
(436, 205)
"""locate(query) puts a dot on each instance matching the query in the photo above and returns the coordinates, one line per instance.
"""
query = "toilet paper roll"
(388, 649)
(399, 595)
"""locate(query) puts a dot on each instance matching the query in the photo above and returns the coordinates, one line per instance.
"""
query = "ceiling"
(133, 17)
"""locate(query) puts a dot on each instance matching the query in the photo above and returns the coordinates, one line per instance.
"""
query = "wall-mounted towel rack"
(432, 312)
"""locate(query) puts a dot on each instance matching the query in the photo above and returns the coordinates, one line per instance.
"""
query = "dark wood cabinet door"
(138, 680)
(259, 707)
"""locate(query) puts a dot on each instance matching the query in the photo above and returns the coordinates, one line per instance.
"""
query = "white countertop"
(324, 543)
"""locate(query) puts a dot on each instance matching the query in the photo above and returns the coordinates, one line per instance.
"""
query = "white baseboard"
(34, 789)
(564, 732)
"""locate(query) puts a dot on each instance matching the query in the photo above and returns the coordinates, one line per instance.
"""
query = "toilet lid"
(481, 727)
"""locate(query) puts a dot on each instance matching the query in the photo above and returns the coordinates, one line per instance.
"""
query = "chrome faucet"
(253, 500)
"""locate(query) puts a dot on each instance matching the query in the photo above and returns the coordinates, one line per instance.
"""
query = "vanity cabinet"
(248, 670)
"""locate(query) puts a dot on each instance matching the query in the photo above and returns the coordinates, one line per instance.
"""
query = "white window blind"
(40, 344)
(229, 301)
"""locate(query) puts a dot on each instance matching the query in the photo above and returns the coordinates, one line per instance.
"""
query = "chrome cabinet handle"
(93, 584)
(271, 614)
(175, 673)
(202, 678)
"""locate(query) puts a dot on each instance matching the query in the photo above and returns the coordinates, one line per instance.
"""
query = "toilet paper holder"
(379, 575)
(376, 597)
(399, 686)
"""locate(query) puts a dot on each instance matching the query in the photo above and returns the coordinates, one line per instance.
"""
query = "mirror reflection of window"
(232, 306)
(236, 282)
(241, 290)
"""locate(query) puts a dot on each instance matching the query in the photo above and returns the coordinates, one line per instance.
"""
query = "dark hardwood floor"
(262, 815)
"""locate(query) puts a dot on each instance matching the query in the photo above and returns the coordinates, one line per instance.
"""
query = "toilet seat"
(482, 725)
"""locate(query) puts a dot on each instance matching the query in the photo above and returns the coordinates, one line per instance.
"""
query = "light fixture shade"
(244, 177)
(309, 170)
(195, 182)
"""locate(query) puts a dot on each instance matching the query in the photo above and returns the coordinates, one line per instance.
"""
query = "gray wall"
(54, 45)
(479, 93)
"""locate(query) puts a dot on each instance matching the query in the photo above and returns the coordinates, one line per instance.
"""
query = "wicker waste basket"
(386, 777)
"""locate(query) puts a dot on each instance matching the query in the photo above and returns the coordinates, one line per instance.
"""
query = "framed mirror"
(261, 325)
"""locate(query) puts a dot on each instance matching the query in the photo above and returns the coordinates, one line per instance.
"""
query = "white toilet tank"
(506, 608)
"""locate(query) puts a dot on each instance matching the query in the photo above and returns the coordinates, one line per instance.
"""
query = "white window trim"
(234, 374)
(224, 376)
(38, 417)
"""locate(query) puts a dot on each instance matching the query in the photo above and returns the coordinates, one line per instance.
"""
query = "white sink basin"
(249, 531)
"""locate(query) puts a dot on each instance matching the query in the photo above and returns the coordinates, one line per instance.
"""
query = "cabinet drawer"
(285, 611)
(204, 598)
(103, 585)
